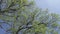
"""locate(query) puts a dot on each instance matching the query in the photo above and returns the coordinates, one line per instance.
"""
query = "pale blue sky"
(52, 5)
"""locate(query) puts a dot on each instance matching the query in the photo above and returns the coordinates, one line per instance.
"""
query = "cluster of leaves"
(21, 15)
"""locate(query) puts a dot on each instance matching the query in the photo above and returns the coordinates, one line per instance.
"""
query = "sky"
(52, 5)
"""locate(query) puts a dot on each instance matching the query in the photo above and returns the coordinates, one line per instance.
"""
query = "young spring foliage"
(23, 17)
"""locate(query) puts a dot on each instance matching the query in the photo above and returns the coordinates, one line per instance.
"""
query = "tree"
(24, 18)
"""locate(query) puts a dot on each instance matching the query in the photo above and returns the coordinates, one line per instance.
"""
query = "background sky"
(52, 5)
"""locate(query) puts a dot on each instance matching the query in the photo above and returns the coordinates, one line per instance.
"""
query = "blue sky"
(52, 5)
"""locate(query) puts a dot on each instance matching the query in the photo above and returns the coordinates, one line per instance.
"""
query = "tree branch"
(23, 27)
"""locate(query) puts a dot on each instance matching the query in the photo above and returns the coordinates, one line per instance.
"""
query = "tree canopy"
(23, 17)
